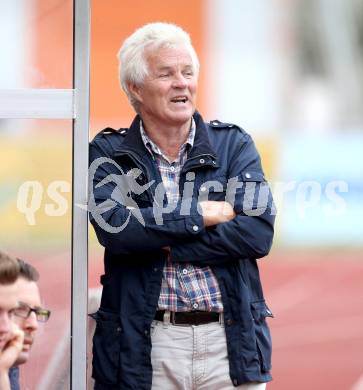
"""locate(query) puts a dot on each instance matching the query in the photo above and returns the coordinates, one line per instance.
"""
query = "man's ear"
(135, 91)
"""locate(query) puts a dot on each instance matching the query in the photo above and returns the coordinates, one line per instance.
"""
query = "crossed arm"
(216, 233)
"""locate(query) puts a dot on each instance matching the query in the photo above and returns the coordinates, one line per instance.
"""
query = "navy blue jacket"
(123, 175)
(14, 378)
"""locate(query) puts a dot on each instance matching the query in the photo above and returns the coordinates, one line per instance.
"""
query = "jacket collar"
(202, 143)
(133, 143)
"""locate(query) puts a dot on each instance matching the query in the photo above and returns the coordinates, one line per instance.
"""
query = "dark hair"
(9, 269)
(27, 271)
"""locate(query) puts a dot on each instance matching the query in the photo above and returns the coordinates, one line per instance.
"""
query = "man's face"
(28, 293)
(8, 300)
(168, 94)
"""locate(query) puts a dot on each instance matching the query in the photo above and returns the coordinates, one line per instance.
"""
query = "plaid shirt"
(184, 287)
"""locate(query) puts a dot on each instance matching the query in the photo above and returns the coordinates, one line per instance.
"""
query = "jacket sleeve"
(124, 229)
(250, 233)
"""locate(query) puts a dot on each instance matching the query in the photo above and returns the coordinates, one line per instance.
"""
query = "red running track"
(317, 300)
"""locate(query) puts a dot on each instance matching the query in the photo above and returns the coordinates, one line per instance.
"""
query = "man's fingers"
(12, 349)
(211, 208)
(215, 212)
(18, 338)
(228, 211)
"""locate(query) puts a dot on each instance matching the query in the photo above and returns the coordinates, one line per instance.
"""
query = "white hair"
(132, 65)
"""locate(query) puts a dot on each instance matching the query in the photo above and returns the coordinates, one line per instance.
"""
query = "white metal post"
(80, 192)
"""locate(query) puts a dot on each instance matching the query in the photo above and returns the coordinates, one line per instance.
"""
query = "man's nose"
(31, 323)
(179, 81)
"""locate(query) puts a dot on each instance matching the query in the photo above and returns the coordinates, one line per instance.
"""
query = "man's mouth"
(179, 99)
(27, 343)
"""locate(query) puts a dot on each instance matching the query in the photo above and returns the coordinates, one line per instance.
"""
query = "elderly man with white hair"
(183, 211)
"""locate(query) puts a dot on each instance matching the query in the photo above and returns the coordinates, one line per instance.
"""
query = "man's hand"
(215, 212)
(12, 349)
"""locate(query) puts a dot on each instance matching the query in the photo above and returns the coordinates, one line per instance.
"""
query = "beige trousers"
(191, 358)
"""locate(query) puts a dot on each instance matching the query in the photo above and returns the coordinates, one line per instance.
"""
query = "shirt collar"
(154, 149)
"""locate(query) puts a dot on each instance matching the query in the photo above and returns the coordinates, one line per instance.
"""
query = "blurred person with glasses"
(11, 337)
(27, 315)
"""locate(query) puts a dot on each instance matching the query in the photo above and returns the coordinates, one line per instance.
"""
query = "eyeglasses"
(24, 311)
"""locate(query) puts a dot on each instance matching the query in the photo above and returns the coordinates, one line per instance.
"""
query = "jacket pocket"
(106, 347)
(263, 338)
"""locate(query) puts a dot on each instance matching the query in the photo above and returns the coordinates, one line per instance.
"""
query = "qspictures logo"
(119, 191)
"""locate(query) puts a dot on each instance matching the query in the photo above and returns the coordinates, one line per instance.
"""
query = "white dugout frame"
(69, 104)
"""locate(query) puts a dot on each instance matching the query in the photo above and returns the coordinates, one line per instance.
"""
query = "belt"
(188, 317)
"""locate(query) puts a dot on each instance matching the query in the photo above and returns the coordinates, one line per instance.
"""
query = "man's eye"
(164, 75)
(188, 74)
(20, 312)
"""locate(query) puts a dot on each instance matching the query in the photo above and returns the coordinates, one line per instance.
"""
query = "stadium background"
(290, 72)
